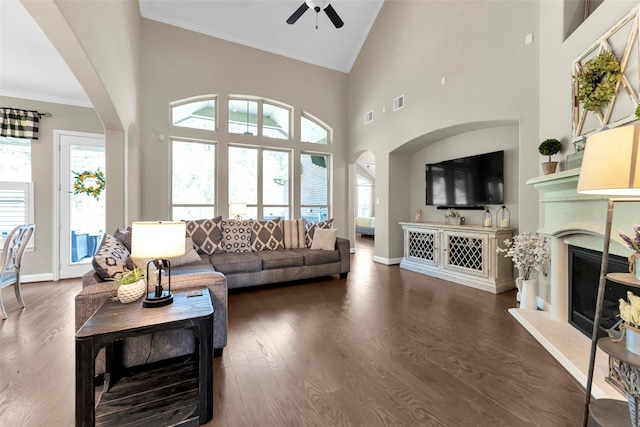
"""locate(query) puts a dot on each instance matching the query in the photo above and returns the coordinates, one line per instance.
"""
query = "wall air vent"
(398, 103)
(368, 117)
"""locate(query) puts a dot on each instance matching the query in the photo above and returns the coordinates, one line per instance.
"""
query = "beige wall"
(63, 117)
(491, 80)
(178, 64)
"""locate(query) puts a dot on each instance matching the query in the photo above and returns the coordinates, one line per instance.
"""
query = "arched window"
(196, 113)
(313, 130)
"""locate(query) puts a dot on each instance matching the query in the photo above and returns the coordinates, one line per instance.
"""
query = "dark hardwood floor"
(385, 347)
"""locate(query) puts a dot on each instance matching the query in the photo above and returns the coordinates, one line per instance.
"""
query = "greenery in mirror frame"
(598, 81)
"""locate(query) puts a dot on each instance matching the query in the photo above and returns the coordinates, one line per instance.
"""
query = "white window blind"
(16, 208)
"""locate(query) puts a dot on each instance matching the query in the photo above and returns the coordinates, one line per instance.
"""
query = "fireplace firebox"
(584, 275)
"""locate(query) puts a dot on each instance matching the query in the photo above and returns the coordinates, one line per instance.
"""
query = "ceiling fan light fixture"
(317, 5)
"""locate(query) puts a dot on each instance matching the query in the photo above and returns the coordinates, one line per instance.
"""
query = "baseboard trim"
(386, 261)
(30, 278)
(352, 250)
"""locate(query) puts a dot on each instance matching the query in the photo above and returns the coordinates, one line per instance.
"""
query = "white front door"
(82, 215)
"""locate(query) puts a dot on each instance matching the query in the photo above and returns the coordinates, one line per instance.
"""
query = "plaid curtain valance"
(19, 123)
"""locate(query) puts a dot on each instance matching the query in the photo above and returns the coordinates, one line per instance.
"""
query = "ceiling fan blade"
(297, 14)
(333, 16)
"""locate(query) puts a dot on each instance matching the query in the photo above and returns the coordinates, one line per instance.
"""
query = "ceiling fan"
(317, 5)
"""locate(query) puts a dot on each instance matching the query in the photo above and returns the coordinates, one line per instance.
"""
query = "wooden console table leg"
(205, 335)
(85, 371)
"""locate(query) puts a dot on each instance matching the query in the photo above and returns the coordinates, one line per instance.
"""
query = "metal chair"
(11, 260)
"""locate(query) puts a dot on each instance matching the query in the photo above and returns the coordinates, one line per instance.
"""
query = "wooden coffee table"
(170, 394)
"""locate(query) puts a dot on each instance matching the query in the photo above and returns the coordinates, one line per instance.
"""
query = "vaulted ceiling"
(31, 68)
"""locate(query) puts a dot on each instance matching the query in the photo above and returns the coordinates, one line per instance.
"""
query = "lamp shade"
(610, 165)
(158, 239)
(237, 208)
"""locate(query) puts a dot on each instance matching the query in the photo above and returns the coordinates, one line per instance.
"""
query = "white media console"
(464, 254)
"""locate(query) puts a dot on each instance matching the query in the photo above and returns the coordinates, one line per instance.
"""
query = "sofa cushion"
(311, 228)
(293, 231)
(206, 235)
(325, 240)
(266, 235)
(229, 263)
(314, 257)
(236, 236)
(280, 259)
(111, 258)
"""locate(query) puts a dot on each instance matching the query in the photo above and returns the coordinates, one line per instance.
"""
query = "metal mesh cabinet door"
(466, 252)
(422, 245)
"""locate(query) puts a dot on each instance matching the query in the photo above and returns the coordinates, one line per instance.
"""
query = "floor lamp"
(610, 167)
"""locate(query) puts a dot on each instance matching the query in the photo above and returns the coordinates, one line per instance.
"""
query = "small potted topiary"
(549, 147)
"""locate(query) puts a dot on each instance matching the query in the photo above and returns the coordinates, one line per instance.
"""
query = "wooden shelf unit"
(611, 412)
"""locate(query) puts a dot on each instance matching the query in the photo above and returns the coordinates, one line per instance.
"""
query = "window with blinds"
(16, 207)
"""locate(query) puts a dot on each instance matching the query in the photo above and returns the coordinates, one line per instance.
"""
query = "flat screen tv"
(466, 183)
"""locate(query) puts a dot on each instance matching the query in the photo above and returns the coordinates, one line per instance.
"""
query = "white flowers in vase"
(528, 252)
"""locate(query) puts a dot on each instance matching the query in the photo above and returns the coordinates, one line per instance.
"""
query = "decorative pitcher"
(527, 291)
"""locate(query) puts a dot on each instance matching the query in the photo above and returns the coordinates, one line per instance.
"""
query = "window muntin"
(243, 116)
(16, 159)
(196, 115)
(314, 186)
(312, 131)
(193, 180)
(275, 121)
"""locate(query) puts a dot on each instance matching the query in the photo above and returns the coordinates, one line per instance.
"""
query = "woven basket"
(132, 292)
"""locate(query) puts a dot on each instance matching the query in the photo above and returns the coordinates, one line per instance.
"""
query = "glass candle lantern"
(486, 218)
(503, 217)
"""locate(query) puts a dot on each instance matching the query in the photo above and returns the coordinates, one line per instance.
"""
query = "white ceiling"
(31, 68)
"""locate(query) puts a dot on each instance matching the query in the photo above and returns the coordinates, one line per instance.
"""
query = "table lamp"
(158, 240)
(610, 167)
(238, 209)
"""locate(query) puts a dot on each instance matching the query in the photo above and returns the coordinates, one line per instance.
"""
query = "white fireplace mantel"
(570, 218)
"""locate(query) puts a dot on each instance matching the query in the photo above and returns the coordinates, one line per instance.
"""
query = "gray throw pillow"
(123, 235)
(111, 258)
(266, 235)
(206, 235)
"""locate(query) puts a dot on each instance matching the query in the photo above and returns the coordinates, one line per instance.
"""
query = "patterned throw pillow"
(311, 228)
(111, 258)
(294, 233)
(236, 236)
(206, 235)
(123, 235)
(266, 235)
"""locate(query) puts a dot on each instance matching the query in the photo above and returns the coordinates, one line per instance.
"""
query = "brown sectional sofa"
(218, 272)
